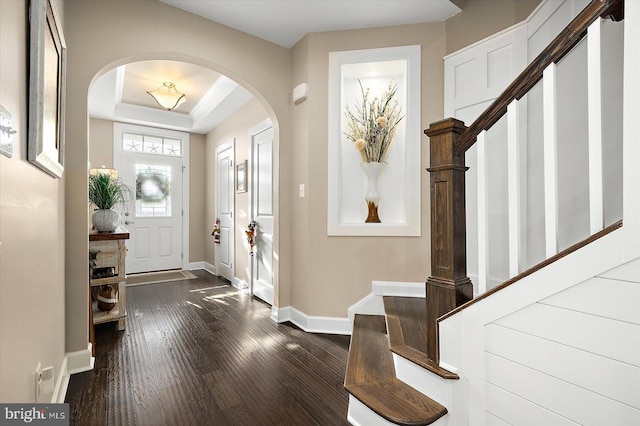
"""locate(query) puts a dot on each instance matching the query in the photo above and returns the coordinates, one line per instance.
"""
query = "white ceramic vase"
(372, 170)
(105, 220)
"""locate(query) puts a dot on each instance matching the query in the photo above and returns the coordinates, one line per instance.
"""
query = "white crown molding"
(151, 117)
(220, 89)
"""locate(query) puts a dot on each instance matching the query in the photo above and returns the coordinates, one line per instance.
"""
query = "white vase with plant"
(371, 127)
(108, 194)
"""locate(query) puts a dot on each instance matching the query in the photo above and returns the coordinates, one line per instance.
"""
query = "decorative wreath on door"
(152, 186)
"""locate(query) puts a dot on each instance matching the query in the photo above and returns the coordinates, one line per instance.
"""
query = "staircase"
(371, 378)
(558, 342)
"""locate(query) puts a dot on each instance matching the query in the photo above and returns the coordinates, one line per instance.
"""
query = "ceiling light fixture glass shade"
(167, 96)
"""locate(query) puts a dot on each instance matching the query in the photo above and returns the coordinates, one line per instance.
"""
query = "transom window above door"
(148, 144)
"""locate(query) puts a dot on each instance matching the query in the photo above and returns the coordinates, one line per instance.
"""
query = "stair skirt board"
(361, 415)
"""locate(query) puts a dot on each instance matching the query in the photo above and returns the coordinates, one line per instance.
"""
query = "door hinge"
(182, 212)
(183, 168)
(181, 255)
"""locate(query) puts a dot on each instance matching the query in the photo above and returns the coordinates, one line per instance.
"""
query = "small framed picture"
(241, 176)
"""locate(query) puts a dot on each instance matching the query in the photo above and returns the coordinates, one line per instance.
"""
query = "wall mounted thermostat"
(6, 132)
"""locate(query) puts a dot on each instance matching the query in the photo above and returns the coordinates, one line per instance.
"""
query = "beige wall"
(197, 197)
(101, 143)
(102, 35)
(482, 18)
(235, 127)
(32, 284)
(331, 273)
(101, 154)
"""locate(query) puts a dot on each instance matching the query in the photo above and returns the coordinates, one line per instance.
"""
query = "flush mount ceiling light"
(167, 96)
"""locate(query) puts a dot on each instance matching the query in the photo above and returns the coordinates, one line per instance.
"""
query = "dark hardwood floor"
(198, 352)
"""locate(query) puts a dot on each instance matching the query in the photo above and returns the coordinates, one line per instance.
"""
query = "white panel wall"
(572, 358)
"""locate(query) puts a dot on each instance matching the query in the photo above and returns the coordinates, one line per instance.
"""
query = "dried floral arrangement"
(373, 123)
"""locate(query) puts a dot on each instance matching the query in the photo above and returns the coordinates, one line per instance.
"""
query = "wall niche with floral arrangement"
(374, 142)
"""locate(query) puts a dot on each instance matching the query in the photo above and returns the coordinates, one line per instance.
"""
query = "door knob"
(126, 222)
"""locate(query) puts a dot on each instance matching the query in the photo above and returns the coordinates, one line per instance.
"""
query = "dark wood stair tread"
(371, 377)
(407, 328)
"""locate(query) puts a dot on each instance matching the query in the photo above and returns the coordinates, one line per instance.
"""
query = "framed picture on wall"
(47, 75)
(241, 176)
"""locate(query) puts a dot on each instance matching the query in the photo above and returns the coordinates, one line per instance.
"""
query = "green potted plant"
(108, 194)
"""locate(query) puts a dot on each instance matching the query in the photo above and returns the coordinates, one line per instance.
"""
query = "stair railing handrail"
(449, 287)
(556, 50)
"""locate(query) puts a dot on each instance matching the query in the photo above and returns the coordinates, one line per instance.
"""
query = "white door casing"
(158, 230)
(225, 200)
(262, 205)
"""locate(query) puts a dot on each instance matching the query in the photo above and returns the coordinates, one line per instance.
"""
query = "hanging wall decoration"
(251, 235)
(216, 232)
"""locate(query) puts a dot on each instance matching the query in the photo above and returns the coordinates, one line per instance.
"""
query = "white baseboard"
(280, 315)
(372, 303)
(239, 284)
(60, 391)
(80, 361)
(73, 362)
(310, 323)
(399, 289)
(209, 268)
(193, 266)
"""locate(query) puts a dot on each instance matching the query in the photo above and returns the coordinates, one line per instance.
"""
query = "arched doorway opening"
(220, 101)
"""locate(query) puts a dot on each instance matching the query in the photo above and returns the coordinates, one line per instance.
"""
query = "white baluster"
(513, 182)
(483, 222)
(550, 159)
(594, 75)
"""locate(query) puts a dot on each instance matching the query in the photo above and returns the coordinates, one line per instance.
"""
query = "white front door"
(262, 213)
(224, 211)
(151, 162)
(154, 220)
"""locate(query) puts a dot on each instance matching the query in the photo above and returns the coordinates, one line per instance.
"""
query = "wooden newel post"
(448, 286)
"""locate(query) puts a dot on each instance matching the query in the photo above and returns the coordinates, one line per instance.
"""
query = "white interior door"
(155, 219)
(224, 211)
(262, 213)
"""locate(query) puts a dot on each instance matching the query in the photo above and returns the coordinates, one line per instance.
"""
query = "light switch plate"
(301, 190)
